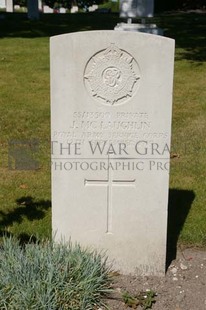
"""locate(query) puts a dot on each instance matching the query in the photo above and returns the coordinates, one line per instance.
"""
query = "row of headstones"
(91, 8)
(128, 9)
(10, 7)
(34, 8)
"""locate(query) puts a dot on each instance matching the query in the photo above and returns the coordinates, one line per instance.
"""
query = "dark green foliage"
(162, 5)
(47, 276)
(20, 2)
(149, 299)
(143, 299)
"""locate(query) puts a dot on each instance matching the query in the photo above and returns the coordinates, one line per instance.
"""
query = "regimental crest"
(112, 76)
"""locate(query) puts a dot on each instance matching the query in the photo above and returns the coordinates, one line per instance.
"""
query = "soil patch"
(182, 288)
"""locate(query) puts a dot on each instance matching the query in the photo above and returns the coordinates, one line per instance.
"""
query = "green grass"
(112, 6)
(25, 196)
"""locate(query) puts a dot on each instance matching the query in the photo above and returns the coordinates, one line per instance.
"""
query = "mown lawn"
(25, 196)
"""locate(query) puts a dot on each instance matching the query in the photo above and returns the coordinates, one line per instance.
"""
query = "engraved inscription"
(109, 183)
(112, 76)
(114, 126)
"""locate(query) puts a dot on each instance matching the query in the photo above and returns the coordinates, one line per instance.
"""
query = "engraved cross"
(109, 182)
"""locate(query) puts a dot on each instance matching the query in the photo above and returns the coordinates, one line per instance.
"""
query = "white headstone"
(111, 103)
(74, 9)
(62, 10)
(136, 8)
(40, 5)
(17, 7)
(93, 8)
(90, 9)
(146, 28)
(9, 6)
(33, 9)
(2, 4)
(47, 9)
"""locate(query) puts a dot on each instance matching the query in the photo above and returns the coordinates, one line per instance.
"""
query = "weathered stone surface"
(9, 6)
(111, 103)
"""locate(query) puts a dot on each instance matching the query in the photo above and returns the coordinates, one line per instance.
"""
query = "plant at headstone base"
(130, 301)
(143, 299)
(51, 276)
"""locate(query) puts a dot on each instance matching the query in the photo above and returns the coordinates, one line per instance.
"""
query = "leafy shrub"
(51, 276)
